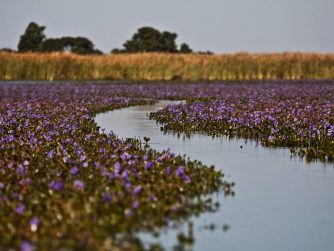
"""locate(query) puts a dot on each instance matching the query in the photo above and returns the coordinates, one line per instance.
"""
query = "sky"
(221, 26)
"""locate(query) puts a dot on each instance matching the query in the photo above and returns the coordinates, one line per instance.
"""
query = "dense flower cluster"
(295, 115)
(66, 186)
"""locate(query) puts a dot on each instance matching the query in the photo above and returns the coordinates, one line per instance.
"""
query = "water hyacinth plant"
(295, 115)
(66, 186)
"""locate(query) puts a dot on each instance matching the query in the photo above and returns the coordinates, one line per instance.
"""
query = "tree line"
(145, 39)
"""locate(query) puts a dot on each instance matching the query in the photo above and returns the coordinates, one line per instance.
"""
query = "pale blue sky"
(217, 25)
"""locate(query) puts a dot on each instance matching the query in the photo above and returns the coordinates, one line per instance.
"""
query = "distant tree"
(184, 48)
(52, 44)
(32, 38)
(35, 40)
(148, 39)
(167, 42)
(7, 50)
(117, 51)
(206, 52)
(78, 45)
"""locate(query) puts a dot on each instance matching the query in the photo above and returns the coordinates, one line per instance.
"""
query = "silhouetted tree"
(117, 51)
(184, 48)
(82, 45)
(7, 50)
(32, 38)
(52, 44)
(148, 39)
(167, 42)
(78, 45)
(206, 52)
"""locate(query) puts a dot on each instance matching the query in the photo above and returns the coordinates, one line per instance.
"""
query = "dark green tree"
(167, 42)
(184, 48)
(7, 50)
(78, 45)
(148, 39)
(32, 38)
(52, 44)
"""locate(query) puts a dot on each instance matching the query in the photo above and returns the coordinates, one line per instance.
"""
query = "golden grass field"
(160, 66)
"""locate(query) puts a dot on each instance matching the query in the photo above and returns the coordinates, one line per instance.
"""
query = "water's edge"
(280, 204)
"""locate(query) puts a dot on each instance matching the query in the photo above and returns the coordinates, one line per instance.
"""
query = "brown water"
(281, 203)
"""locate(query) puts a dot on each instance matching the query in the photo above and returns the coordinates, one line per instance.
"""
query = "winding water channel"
(280, 203)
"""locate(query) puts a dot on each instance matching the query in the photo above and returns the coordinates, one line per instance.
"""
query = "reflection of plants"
(64, 185)
(146, 139)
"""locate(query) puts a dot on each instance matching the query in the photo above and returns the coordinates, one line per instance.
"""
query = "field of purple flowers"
(65, 186)
(282, 114)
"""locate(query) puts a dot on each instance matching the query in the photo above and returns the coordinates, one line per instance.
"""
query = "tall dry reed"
(156, 66)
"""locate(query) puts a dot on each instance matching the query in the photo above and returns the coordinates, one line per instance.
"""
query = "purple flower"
(10, 138)
(34, 223)
(79, 184)
(136, 156)
(105, 173)
(10, 165)
(25, 182)
(20, 209)
(27, 246)
(153, 198)
(117, 167)
(106, 197)
(136, 190)
(125, 156)
(148, 165)
(20, 170)
(135, 204)
(168, 170)
(82, 158)
(16, 195)
(271, 138)
(2, 185)
(56, 185)
(51, 153)
(160, 159)
(186, 179)
(74, 170)
(125, 175)
(180, 171)
(65, 159)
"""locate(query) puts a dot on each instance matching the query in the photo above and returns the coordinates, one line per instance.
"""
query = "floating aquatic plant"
(66, 186)
(295, 115)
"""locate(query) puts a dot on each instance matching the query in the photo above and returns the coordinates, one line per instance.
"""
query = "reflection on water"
(281, 203)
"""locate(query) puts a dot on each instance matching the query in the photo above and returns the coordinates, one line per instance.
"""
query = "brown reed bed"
(161, 66)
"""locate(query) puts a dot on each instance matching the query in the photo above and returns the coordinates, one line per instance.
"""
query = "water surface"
(281, 203)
